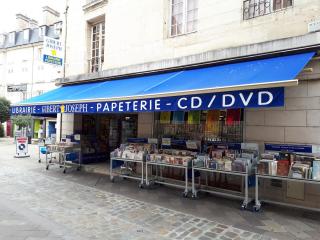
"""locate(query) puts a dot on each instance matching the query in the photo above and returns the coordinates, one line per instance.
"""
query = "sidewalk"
(121, 210)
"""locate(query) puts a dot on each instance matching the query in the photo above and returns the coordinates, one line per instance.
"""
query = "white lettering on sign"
(260, 95)
(252, 98)
(106, 108)
(212, 101)
(24, 110)
(157, 104)
(99, 106)
(224, 100)
(143, 105)
(135, 105)
(246, 101)
(196, 102)
(180, 104)
(50, 109)
(129, 106)
(76, 108)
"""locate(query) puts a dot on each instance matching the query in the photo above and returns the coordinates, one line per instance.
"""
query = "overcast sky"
(30, 8)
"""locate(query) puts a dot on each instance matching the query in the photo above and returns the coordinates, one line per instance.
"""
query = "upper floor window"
(256, 8)
(97, 47)
(184, 17)
(281, 4)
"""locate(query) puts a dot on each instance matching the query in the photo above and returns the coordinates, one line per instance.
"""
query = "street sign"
(52, 51)
(22, 147)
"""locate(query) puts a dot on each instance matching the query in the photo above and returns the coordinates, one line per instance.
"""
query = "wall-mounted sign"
(17, 88)
(257, 98)
(52, 51)
(314, 26)
(288, 148)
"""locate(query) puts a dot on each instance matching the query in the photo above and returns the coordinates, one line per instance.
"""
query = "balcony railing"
(256, 8)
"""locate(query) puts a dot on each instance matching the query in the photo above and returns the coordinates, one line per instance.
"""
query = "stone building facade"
(141, 37)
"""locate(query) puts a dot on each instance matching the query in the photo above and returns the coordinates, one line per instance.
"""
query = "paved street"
(40, 204)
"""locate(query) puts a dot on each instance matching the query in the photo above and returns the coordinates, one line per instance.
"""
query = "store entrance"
(101, 134)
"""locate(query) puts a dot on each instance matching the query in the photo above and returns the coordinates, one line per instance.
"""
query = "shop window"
(97, 47)
(213, 125)
(184, 17)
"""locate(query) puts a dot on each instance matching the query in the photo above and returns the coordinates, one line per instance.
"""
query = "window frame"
(100, 48)
(184, 19)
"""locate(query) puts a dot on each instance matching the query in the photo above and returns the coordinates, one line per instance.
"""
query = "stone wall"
(297, 122)
(138, 31)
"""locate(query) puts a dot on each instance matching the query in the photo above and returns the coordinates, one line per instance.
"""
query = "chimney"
(23, 22)
(50, 16)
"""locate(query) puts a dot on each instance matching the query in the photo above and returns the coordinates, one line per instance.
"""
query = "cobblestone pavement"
(37, 205)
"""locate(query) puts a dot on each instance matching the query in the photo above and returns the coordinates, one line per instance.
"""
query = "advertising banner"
(52, 51)
(256, 98)
(22, 147)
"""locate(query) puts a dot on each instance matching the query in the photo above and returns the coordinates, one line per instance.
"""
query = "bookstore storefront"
(206, 128)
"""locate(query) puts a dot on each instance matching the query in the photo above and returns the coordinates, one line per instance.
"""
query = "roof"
(34, 36)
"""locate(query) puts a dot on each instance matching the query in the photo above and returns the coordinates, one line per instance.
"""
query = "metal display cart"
(161, 180)
(127, 168)
(290, 149)
(257, 205)
(243, 148)
(63, 151)
(244, 175)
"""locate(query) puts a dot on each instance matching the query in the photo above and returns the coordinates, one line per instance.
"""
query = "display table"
(120, 174)
(257, 205)
(161, 180)
(244, 175)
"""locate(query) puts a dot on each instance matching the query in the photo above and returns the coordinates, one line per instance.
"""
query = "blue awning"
(257, 74)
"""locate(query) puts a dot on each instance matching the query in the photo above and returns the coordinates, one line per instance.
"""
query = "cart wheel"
(39, 161)
(78, 168)
(256, 208)
(194, 196)
(140, 185)
(112, 179)
(64, 171)
(243, 207)
(185, 194)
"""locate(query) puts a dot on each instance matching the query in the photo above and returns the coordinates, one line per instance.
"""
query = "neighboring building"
(22, 71)
(124, 38)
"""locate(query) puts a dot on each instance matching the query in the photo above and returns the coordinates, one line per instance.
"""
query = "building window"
(184, 17)
(12, 37)
(281, 4)
(97, 47)
(256, 8)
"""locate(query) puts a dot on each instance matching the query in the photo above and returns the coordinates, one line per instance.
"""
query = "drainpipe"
(65, 55)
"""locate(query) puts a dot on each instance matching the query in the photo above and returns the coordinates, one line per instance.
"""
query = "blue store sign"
(257, 98)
